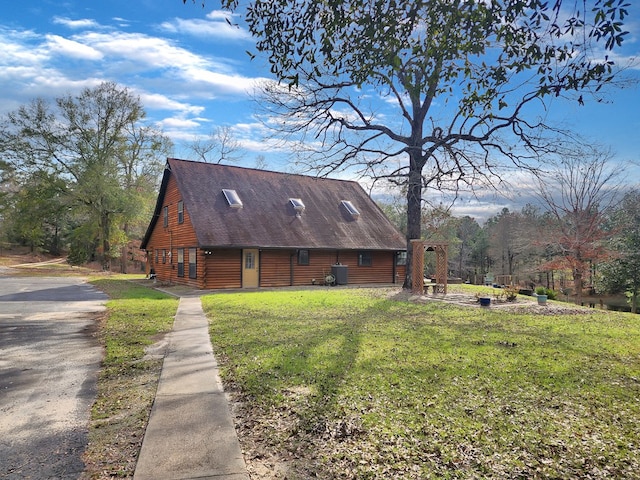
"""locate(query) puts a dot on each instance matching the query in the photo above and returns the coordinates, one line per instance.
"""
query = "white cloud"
(75, 24)
(157, 101)
(144, 50)
(176, 85)
(198, 75)
(219, 25)
(71, 48)
(172, 123)
(17, 49)
(221, 82)
(122, 22)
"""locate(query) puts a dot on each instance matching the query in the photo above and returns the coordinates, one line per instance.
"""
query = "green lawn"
(345, 383)
(136, 317)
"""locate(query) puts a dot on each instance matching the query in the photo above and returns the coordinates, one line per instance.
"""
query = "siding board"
(275, 267)
(224, 269)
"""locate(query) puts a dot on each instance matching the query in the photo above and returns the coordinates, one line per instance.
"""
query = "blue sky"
(192, 73)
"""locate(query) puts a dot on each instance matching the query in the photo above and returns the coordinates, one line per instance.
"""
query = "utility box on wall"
(340, 273)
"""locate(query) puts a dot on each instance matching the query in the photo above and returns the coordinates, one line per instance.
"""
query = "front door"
(250, 268)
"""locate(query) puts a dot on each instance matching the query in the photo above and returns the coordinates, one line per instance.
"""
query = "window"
(180, 211)
(298, 205)
(353, 211)
(249, 261)
(365, 259)
(303, 257)
(401, 258)
(193, 271)
(181, 262)
(157, 255)
(165, 216)
(232, 197)
(164, 255)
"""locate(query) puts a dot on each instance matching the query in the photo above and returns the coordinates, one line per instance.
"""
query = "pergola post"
(417, 267)
(441, 266)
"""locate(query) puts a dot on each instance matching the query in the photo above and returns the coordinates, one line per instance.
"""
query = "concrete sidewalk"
(190, 433)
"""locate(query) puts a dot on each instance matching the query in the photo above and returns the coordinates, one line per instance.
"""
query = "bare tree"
(580, 190)
(261, 162)
(464, 80)
(218, 147)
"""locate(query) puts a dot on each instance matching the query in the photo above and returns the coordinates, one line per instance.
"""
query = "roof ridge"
(276, 172)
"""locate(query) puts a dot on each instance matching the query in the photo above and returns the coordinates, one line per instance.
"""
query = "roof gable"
(268, 217)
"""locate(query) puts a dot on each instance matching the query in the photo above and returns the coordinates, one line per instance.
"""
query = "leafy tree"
(515, 245)
(39, 214)
(7, 186)
(393, 209)
(467, 229)
(440, 226)
(580, 191)
(465, 78)
(622, 273)
(480, 259)
(503, 238)
(96, 150)
(532, 229)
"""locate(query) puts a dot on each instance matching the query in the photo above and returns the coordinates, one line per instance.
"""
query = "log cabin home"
(222, 227)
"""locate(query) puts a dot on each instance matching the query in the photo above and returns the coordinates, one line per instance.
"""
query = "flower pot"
(485, 301)
(542, 299)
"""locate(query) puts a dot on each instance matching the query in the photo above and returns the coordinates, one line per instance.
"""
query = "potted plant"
(545, 294)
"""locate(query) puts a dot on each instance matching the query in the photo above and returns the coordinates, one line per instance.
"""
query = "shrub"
(511, 293)
(551, 294)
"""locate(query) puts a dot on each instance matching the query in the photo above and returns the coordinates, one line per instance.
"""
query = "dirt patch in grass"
(521, 305)
(115, 438)
(35, 264)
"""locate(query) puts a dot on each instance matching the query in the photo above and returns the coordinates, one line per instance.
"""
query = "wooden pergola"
(417, 265)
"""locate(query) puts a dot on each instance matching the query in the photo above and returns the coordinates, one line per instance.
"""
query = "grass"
(351, 384)
(136, 317)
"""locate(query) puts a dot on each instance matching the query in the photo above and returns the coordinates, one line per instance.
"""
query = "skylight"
(353, 211)
(298, 205)
(233, 199)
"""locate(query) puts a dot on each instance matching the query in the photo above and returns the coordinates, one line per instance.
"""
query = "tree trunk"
(414, 216)
(105, 226)
(577, 284)
(123, 253)
(123, 259)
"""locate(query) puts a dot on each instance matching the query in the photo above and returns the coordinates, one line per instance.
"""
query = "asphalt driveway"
(49, 360)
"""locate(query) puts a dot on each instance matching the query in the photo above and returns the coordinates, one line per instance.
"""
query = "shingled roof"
(267, 218)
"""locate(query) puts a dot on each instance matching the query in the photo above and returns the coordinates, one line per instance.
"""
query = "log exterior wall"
(280, 268)
(222, 268)
(380, 271)
(163, 245)
(275, 267)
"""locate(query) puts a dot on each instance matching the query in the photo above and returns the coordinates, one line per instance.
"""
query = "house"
(219, 226)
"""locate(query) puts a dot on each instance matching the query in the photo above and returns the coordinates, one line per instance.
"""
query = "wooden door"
(250, 268)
